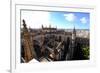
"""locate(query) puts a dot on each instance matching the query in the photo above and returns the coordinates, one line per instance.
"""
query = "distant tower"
(74, 34)
(27, 44)
(73, 44)
(42, 27)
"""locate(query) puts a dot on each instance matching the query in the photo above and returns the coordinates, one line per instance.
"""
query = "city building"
(52, 44)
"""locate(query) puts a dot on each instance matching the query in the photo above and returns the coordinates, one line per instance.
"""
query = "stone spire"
(42, 26)
(73, 44)
(27, 43)
(74, 33)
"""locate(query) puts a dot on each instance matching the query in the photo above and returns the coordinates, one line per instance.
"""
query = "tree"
(86, 52)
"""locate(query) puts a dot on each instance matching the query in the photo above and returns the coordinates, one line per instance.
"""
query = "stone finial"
(24, 24)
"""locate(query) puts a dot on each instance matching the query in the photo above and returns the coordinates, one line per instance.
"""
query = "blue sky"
(62, 20)
(70, 19)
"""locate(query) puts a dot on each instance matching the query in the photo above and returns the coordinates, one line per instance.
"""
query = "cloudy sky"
(62, 20)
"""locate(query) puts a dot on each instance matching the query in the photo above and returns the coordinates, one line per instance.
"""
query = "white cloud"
(70, 17)
(83, 20)
(35, 19)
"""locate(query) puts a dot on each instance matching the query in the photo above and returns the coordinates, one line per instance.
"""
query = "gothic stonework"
(27, 43)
